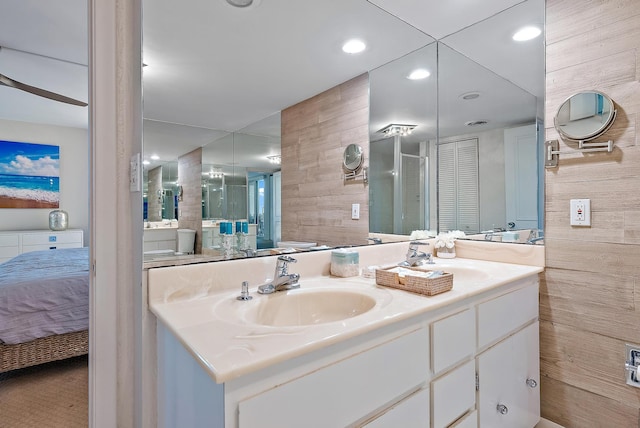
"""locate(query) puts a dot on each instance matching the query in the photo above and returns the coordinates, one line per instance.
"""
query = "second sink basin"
(309, 307)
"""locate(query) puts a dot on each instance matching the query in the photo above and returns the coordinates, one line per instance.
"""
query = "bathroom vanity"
(465, 358)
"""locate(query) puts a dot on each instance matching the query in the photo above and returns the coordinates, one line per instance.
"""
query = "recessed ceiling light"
(240, 3)
(470, 96)
(155, 157)
(146, 162)
(527, 33)
(354, 46)
(418, 74)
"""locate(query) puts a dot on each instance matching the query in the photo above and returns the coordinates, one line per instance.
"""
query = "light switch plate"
(355, 211)
(135, 174)
(580, 212)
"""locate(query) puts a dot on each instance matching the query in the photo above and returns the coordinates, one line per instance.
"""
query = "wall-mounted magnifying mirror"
(353, 158)
(585, 116)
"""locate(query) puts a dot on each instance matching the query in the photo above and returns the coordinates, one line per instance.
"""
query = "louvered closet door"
(447, 195)
(468, 206)
(458, 206)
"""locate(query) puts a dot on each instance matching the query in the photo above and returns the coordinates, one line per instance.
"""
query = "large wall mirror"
(236, 123)
(473, 162)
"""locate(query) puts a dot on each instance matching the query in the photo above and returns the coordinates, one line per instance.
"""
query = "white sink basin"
(297, 307)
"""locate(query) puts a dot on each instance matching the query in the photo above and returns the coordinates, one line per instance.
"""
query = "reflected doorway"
(398, 186)
(264, 207)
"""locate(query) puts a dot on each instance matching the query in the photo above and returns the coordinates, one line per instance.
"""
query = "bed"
(44, 307)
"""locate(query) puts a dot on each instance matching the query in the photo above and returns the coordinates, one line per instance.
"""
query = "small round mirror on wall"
(353, 157)
(585, 116)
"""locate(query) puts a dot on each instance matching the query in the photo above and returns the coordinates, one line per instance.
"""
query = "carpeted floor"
(50, 395)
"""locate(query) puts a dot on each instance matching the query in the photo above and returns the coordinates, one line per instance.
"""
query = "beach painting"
(29, 175)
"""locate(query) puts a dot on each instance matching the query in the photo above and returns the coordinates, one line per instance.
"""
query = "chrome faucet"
(248, 252)
(282, 279)
(415, 257)
(535, 235)
(375, 240)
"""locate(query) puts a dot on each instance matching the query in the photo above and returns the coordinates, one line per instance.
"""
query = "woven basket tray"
(415, 284)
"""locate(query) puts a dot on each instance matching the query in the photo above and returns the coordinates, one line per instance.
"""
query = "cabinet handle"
(502, 409)
(531, 383)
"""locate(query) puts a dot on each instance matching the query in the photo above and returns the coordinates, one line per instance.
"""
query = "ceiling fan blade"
(7, 81)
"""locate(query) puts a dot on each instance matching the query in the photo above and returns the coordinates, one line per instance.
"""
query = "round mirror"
(353, 157)
(585, 116)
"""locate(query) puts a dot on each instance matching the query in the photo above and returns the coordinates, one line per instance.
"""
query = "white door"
(521, 176)
(276, 206)
(509, 377)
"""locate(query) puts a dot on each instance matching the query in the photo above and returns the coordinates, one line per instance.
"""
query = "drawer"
(45, 238)
(9, 252)
(468, 421)
(150, 235)
(9, 240)
(453, 395)
(453, 339)
(505, 314)
(412, 412)
(51, 246)
(345, 392)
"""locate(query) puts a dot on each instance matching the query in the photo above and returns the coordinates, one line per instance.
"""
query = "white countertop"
(211, 326)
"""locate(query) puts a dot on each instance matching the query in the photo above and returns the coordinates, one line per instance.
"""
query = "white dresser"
(17, 242)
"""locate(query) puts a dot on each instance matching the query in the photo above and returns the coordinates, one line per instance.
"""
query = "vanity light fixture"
(354, 46)
(419, 74)
(527, 33)
(395, 129)
(275, 159)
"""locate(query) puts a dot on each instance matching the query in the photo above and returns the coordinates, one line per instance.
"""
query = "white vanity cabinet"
(508, 393)
(159, 239)
(345, 392)
(494, 351)
(454, 366)
(509, 370)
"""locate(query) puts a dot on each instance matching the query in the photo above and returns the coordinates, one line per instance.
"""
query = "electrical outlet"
(580, 213)
(355, 211)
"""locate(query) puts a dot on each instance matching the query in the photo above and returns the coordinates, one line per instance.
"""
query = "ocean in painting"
(27, 187)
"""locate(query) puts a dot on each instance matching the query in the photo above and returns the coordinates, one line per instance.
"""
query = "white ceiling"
(214, 68)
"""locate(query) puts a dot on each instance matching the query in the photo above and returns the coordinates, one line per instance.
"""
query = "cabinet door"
(509, 375)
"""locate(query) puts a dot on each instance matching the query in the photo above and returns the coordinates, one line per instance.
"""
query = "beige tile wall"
(154, 202)
(190, 208)
(316, 202)
(589, 304)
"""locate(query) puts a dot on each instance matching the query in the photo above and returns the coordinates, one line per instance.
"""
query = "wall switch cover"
(135, 174)
(355, 211)
(580, 213)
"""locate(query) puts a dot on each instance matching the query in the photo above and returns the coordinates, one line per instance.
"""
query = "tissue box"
(415, 284)
(345, 263)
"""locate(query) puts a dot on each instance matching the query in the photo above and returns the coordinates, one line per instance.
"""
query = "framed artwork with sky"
(29, 175)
